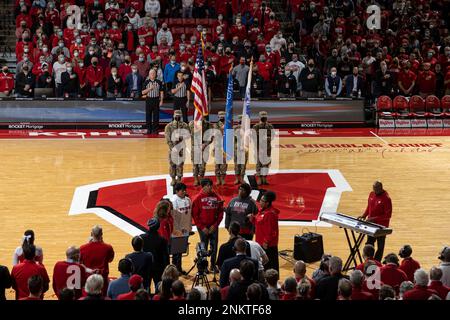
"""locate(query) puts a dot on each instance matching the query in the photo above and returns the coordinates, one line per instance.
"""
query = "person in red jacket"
(420, 290)
(436, 283)
(6, 82)
(23, 271)
(163, 213)
(70, 273)
(368, 255)
(94, 78)
(135, 284)
(358, 293)
(408, 265)
(35, 286)
(426, 81)
(207, 211)
(97, 255)
(379, 211)
(391, 274)
(266, 229)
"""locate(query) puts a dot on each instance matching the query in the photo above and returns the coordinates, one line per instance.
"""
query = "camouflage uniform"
(221, 169)
(239, 169)
(263, 169)
(175, 171)
(198, 169)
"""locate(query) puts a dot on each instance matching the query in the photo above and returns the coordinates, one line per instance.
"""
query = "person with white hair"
(94, 288)
(445, 266)
(436, 283)
(327, 287)
(358, 293)
(405, 286)
(164, 32)
(420, 290)
(344, 289)
(235, 276)
(97, 255)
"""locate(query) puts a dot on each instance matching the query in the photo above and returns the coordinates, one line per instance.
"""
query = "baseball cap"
(135, 281)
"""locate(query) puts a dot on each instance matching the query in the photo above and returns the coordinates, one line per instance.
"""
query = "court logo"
(302, 196)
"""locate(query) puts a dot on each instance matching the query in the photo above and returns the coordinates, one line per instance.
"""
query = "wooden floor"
(38, 178)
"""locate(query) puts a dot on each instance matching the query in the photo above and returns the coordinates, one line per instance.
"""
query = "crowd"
(249, 269)
(328, 51)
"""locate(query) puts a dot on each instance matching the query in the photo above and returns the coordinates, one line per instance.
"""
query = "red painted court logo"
(302, 195)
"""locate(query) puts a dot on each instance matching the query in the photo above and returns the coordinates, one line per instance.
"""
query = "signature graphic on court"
(302, 195)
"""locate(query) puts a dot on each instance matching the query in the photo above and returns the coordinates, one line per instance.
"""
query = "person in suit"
(240, 247)
(134, 82)
(353, 83)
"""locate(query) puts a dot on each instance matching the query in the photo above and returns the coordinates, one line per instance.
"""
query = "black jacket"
(311, 85)
(22, 80)
(71, 86)
(158, 247)
(226, 251)
(327, 287)
(238, 291)
(143, 265)
(233, 263)
(5, 281)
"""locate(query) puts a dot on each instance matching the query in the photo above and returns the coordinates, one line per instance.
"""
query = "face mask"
(182, 48)
(177, 118)
(61, 60)
(221, 38)
(94, 63)
(60, 33)
(311, 65)
(91, 53)
(268, 49)
(333, 73)
(172, 62)
(5, 70)
(81, 65)
(134, 70)
(129, 27)
(61, 45)
(165, 29)
(115, 27)
(430, 55)
(192, 42)
(142, 44)
(76, 54)
(141, 59)
(69, 69)
(78, 41)
(26, 50)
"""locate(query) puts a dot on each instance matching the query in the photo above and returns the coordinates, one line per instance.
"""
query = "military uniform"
(263, 169)
(221, 169)
(239, 169)
(199, 169)
(175, 171)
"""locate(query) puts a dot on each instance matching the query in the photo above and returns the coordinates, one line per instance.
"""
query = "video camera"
(202, 254)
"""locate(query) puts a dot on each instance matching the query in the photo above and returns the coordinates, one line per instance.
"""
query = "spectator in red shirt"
(94, 78)
(406, 80)
(97, 255)
(135, 284)
(368, 255)
(35, 287)
(266, 229)
(26, 269)
(207, 212)
(404, 287)
(436, 283)
(372, 279)
(70, 273)
(426, 81)
(420, 290)
(358, 293)
(290, 289)
(379, 211)
(391, 274)
(6, 82)
(408, 265)
(238, 30)
(300, 275)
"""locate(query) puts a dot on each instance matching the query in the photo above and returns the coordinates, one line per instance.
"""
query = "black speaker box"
(308, 247)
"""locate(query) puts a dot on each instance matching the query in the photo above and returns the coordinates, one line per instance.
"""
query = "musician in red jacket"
(97, 255)
(266, 229)
(207, 211)
(70, 273)
(379, 211)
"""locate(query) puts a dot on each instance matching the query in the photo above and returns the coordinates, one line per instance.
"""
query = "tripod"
(202, 280)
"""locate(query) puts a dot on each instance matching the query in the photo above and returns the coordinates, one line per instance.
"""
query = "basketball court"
(62, 183)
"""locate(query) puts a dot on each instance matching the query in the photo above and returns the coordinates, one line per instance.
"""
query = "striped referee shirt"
(157, 87)
(183, 90)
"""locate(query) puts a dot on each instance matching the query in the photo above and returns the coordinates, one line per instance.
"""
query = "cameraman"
(207, 211)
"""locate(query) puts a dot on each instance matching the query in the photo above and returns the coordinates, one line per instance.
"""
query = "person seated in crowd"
(62, 271)
(134, 83)
(404, 287)
(94, 288)
(323, 269)
(6, 82)
(386, 293)
(97, 255)
(235, 275)
(25, 83)
(344, 289)
(35, 287)
(420, 290)
(368, 255)
(358, 293)
(273, 287)
(178, 291)
(436, 283)
(300, 274)
(391, 274)
(135, 284)
(333, 84)
(120, 285)
(408, 264)
(327, 287)
(289, 289)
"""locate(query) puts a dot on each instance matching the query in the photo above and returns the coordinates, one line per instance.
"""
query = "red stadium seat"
(203, 22)
(401, 107)
(189, 22)
(384, 107)
(417, 107)
(433, 106)
(190, 31)
(175, 22)
(445, 103)
(177, 30)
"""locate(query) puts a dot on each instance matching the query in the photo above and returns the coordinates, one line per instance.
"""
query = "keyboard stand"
(353, 243)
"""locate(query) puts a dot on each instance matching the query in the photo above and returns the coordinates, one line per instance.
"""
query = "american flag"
(198, 87)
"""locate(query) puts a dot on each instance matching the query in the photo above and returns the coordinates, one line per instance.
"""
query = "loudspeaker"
(308, 247)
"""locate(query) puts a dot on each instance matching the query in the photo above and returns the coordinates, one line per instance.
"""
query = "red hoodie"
(207, 210)
(266, 225)
(166, 227)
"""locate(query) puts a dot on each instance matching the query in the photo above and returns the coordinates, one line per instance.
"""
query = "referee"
(153, 89)
(181, 95)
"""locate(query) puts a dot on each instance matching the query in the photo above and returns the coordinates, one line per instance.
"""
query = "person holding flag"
(239, 166)
(221, 168)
